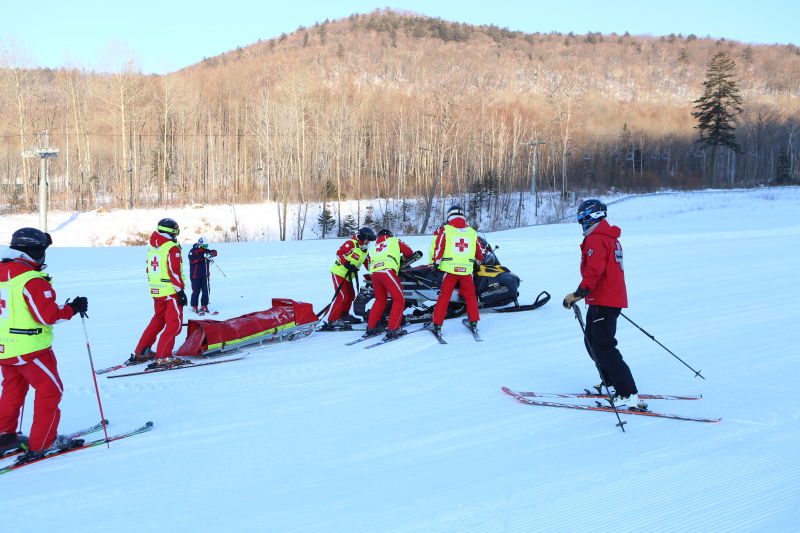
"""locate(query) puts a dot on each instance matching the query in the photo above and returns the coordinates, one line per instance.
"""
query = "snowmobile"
(496, 286)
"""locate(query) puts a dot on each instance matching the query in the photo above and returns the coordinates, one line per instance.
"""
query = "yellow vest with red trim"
(355, 257)
(158, 270)
(460, 247)
(385, 256)
(20, 333)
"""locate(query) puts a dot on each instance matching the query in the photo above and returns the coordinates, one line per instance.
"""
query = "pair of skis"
(92, 429)
(464, 321)
(128, 363)
(438, 336)
(542, 398)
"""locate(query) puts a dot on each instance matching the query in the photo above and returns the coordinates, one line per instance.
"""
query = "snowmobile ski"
(73, 435)
(609, 409)
(540, 300)
(176, 367)
(147, 427)
(593, 395)
(475, 333)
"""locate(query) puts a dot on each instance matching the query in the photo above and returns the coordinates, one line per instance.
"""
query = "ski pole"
(218, 268)
(578, 315)
(696, 372)
(94, 377)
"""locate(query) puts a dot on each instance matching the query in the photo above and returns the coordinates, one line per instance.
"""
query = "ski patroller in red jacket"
(602, 271)
(439, 239)
(175, 260)
(39, 295)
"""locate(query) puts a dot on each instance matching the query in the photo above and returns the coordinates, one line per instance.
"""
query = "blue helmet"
(590, 212)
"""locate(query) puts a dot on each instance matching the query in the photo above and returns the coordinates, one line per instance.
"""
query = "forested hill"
(392, 104)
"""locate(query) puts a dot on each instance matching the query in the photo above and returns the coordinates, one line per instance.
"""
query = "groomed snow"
(313, 436)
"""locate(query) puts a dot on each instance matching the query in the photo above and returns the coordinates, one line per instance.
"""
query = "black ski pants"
(600, 340)
(199, 288)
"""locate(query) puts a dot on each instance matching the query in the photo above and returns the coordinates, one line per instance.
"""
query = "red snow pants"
(386, 284)
(466, 287)
(41, 373)
(168, 316)
(344, 298)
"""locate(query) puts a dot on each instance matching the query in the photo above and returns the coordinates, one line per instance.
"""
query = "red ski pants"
(466, 288)
(386, 284)
(41, 373)
(344, 298)
(168, 316)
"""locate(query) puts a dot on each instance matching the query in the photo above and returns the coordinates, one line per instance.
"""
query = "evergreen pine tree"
(716, 110)
(348, 226)
(326, 221)
(719, 105)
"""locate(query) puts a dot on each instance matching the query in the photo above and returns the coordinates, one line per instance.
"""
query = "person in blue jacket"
(199, 272)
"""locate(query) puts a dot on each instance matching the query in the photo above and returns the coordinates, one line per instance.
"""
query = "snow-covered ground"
(313, 436)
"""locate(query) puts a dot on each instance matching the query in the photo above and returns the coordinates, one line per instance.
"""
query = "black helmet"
(365, 234)
(590, 212)
(167, 225)
(32, 242)
(385, 231)
(455, 211)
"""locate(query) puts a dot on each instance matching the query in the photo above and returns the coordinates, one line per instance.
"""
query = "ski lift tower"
(43, 152)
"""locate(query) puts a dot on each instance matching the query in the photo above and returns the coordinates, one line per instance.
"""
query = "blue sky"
(167, 35)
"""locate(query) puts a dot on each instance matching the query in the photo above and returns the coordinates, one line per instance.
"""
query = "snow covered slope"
(313, 436)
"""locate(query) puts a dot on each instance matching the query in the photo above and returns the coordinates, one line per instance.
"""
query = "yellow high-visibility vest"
(460, 247)
(385, 256)
(20, 333)
(355, 257)
(158, 270)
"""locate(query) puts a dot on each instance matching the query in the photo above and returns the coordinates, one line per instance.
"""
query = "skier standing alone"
(455, 251)
(603, 286)
(200, 273)
(349, 258)
(164, 272)
(28, 310)
(384, 264)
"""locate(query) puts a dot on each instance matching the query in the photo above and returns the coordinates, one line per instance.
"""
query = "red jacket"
(175, 260)
(601, 267)
(438, 246)
(39, 295)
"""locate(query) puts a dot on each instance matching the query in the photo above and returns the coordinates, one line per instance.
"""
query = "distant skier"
(28, 310)
(603, 286)
(200, 272)
(384, 263)
(456, 250)
(164, 270)
(349, 258)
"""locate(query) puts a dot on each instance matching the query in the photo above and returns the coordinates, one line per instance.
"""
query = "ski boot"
(337, 325)
(631, 403)
(347, 317)
(168, 362)
(372, 332)
(11, 442)
(194, 309)
(393, 334)
(29, 457)
(473, 327)
(145, 356)
(64, 443)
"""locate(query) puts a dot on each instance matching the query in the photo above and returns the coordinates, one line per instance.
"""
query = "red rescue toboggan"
(286, 320)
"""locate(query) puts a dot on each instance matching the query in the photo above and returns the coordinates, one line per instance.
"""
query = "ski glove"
(570, 299)
(352, 269)
(79, 305)
(181, 297)
(574, 297)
